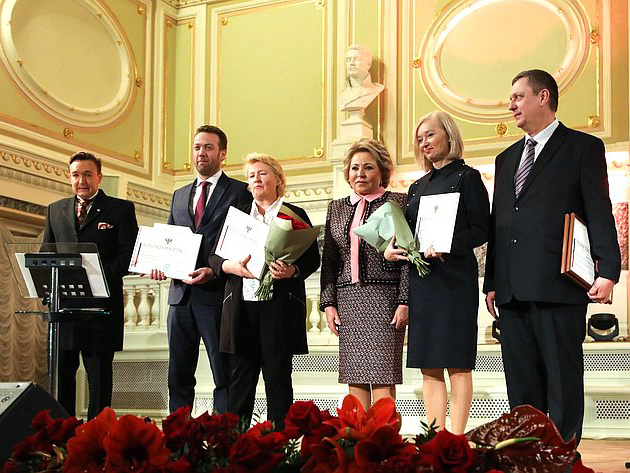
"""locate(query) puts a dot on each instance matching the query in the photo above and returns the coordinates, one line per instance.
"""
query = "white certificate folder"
(242, 235)
(172, 249)
(577, 262)
(436, 221)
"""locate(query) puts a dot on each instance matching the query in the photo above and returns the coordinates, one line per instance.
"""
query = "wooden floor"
(606, 456)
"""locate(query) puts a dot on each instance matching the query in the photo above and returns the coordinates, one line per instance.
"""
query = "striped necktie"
(82, 206)
(525, 167)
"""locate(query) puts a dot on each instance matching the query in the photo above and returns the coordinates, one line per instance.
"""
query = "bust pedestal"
(350, 130)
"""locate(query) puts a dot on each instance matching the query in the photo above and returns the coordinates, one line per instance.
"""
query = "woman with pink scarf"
(363, 295)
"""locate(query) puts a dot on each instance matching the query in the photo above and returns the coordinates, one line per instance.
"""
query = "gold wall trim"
(410, 36)
(169, 23)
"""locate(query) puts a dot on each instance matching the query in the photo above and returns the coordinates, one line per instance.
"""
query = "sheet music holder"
(577, 262)
(57, 271)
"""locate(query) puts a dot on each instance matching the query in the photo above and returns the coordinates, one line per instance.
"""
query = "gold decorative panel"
(178, 92)
(460, 56)
(268, 93)
(471, 40)
(69, 58)
(74, 75)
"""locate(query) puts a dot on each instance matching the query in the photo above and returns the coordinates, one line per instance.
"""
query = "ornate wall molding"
(301, 193)
(153, 212)
(32, 180)
(33, 165)
(148, 197)
(88, 106)
(22, 205)
(569, 14)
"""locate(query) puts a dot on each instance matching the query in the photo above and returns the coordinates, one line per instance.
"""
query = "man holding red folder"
(552, 171)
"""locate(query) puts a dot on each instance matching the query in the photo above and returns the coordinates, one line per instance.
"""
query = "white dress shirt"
(250, 286)
(541, 139)
(212, 180)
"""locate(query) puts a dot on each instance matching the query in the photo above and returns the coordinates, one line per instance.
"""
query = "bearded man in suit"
(552, 171)
(196, 303)
(91, 216)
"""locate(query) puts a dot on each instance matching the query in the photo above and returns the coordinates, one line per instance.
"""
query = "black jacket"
(111, 224)
(525, 240)
(228, 192)
(289, 303)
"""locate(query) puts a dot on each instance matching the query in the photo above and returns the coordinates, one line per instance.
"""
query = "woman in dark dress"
(443, 305)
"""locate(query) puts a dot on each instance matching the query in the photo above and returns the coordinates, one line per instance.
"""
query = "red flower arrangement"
(295, 224)
(524, 440)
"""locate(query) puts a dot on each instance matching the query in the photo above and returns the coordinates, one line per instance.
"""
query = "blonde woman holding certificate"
(443, 305)
(264, 334)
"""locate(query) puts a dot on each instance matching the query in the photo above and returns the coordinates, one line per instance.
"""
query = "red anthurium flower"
(447, 452)
(134, 446)
(549, 454)
(85, 450)
(384, 443)
(249, 455)
(354, 423)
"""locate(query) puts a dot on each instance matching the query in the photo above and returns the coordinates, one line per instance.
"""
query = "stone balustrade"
(146, 307)
(145, 303)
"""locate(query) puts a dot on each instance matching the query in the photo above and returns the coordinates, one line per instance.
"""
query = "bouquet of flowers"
(313, 441)
(289, 237)
(385, 223)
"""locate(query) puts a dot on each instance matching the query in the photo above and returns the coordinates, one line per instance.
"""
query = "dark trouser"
(100, 375)
(542, 356)
(187, 324)
(262, 353)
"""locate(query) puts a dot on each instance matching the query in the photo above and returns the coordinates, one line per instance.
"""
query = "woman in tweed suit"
(363, 295)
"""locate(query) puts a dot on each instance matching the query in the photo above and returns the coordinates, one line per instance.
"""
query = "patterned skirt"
(370, 349)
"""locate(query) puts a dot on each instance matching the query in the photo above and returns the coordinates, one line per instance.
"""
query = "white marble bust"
(360, 91)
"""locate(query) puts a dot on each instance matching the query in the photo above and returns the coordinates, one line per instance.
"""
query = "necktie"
(201, 203)
(525, 167)
(82, 211)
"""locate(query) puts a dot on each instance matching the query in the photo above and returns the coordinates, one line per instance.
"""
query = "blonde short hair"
(379, 153)
(275, 166)
(456, 143)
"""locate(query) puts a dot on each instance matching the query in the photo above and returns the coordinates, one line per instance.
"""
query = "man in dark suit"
(92, 217)
(552, 171)
(196, 303)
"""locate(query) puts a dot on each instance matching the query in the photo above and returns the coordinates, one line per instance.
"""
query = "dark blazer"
(228, 192)
(289, 303)
(115, 245)
(525, 240)
(373, 268)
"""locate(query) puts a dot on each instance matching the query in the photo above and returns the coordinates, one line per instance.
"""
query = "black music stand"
(54, 272)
